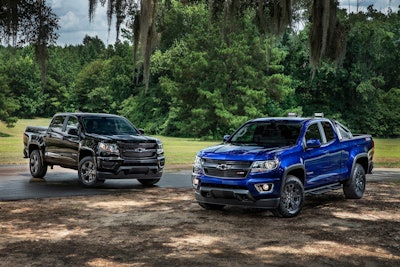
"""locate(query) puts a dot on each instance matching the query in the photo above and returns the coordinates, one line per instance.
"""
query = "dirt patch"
(166, 227)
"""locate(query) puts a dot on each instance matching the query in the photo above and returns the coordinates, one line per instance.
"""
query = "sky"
(74, 18)
(74, 22)
(380, 5)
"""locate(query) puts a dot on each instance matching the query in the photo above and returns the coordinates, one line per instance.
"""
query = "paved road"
(17, 183)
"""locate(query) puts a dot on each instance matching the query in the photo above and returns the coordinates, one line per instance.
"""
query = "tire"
(208, 206)
(292, 198)
(37, 168)
(148, 182)
(354, 187)
(87, 173)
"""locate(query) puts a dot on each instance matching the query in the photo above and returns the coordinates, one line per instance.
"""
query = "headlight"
(160, 148)
(197, 162)
(197, 167)
(263, 166)
(106, 149)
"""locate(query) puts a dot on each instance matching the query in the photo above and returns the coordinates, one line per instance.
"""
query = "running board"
(324, 189)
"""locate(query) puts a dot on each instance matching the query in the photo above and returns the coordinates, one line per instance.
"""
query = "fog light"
(264, 188)
(195, 181)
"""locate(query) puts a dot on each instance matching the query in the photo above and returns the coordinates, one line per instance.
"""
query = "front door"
(71, 142)
(53, 139)
(322, 163)
(61, 147)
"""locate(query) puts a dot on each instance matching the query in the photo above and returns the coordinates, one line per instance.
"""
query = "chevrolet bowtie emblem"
(223, 167)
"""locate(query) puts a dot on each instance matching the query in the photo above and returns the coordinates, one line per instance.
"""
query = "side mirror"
(141, 131)
(313, 143)
(226, 137)
(72, 131)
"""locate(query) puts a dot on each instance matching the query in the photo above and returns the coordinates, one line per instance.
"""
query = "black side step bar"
(323, 189)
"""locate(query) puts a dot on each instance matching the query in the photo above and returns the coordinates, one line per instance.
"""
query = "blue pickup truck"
(272, 163)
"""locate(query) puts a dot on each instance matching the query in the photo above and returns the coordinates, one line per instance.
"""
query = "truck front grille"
(138, 150)
(226, 169)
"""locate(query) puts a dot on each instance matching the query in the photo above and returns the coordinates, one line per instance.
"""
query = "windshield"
(268, 134)
(109, 126)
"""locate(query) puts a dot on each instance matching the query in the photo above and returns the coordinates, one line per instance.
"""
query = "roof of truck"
(287, 119)
(86, 114)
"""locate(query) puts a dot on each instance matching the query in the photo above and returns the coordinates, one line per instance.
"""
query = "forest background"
(206, 79)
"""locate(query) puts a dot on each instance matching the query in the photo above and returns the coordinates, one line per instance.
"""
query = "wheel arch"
(85, 153)
(297, 170)
(35, 146)
(361, 159)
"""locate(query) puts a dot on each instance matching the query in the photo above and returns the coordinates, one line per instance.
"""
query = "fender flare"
(355, 160)
(297, 167)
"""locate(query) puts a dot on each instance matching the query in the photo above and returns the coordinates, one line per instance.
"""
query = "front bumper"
(235, 197)
(237, 192)
(117, 168)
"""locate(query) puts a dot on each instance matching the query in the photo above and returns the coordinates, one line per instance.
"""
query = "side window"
(72, 123)
(343, 131)
(313, 132)
(330, 136)
(57, 124)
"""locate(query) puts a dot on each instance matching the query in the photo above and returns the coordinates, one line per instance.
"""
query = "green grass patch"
(387, 153)
(178, 151)
(181, 151)
(11, 145)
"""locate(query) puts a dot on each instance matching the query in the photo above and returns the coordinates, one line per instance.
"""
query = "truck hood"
(240, 152)
(124, 138)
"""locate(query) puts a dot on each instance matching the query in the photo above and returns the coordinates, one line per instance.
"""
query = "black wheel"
(355, 187)
(87, 173)
(292, 198)
(148, 182)
(36, 166)
(208, 206)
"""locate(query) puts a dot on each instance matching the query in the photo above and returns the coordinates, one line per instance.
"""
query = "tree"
(22, 77)
(8, 103)
(327, 37)
(392, 112)
(91, 89)
(217, 81)
(29, 22)
(92, 49)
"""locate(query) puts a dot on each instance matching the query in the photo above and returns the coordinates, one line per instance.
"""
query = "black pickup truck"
(99, 146)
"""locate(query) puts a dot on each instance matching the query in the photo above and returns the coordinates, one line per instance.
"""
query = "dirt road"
(165, 227)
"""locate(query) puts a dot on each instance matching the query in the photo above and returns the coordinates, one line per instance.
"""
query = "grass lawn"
(387, 153)
(178, 151)
(11, 140)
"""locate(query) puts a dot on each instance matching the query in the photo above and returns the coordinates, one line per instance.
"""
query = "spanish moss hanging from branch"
(327, 34)
(147, 34)
(29, 22)
(143, 14)
(280, 13)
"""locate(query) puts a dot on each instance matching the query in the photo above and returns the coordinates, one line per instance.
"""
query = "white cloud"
(55, 3)
(362, 5)
(69, 21)
(74, 22)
